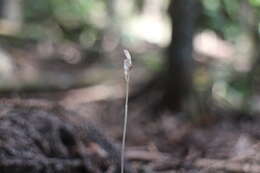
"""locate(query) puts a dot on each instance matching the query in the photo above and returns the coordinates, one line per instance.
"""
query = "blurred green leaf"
(211, 5)
(71, 13)
(255, 2)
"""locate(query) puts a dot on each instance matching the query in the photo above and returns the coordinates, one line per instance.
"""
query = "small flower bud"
(127, 63)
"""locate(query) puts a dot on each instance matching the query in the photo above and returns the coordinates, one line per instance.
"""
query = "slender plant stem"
(125, 125)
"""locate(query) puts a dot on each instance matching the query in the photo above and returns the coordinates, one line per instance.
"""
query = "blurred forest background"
(196, 59)
(211, 57)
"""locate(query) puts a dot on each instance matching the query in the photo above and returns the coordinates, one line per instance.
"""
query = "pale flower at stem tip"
(127, 64)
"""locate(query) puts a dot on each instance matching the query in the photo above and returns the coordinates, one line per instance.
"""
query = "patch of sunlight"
(209, 44)
(8, 27)
(6, 66)
(152, 25)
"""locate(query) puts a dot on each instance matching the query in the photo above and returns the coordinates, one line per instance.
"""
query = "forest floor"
(167, 143)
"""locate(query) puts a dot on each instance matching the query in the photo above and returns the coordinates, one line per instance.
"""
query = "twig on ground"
(145, 155)
(227, 165)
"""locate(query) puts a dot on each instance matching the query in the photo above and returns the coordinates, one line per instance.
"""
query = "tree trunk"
(1, 8)
(179, 66)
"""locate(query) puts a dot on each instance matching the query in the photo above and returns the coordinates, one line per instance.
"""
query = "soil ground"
(167, 143)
